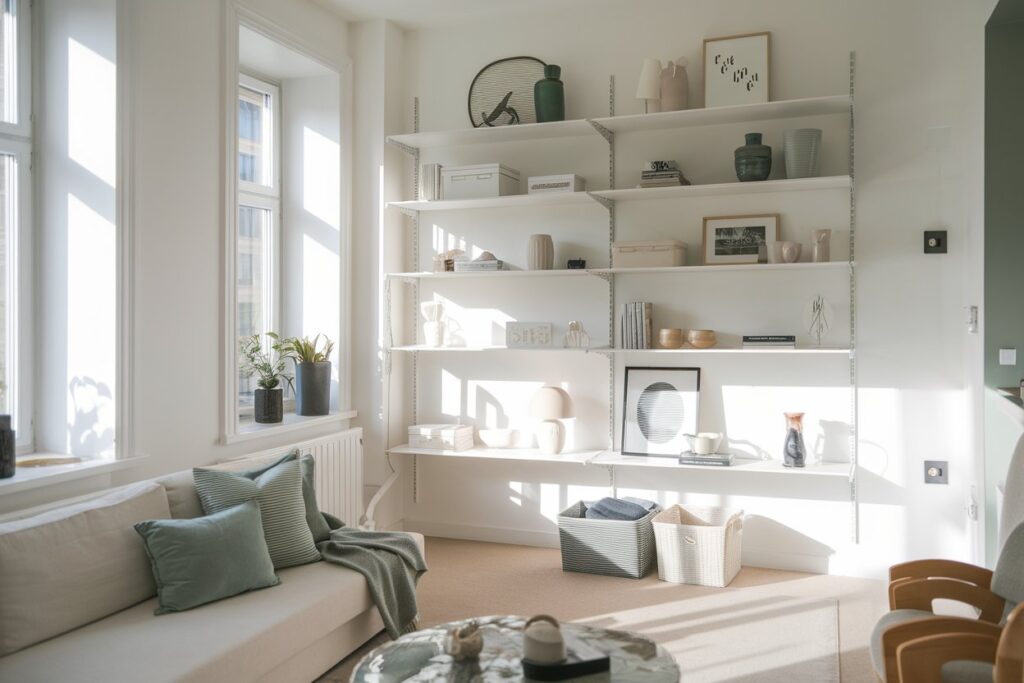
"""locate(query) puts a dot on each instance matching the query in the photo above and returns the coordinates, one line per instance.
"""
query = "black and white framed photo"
(736, 69)
(737, 239)
(660, 409)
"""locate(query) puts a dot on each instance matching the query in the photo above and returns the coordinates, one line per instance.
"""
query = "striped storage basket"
(699, 545)
(609, 547)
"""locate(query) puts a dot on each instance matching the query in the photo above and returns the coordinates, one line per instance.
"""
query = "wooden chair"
(913, 586)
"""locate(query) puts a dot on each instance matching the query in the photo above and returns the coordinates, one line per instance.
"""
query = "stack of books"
(774, 341)
(450, 437)
(479, 266)
(662, 174)
(713, 460)
(636, 328)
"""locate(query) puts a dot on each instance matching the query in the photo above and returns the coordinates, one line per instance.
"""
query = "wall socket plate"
(936, 471)
(935, 241)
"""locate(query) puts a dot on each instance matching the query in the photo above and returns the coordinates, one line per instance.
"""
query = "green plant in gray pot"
(268, 364)
(312, 372)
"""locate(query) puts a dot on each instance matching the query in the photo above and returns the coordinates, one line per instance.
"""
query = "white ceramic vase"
(541, 253)
(791, 252)
(821, 253)
(433, 333)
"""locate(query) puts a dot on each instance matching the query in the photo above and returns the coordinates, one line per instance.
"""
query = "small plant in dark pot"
(7, 464)
(312, 372)
(268, 364)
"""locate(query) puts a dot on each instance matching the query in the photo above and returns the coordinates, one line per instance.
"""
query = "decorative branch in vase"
(819, 319)
(269, 365)
(312, 372)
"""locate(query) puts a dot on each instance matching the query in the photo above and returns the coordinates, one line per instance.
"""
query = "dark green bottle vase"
(549, 95)
(753, 160)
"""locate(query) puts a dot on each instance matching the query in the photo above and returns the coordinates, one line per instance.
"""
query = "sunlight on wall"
(321, 177)
(516, 487)
(320, 286)
(91, 330)
(92, 111)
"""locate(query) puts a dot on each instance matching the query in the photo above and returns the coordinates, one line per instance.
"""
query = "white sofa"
(294, 631)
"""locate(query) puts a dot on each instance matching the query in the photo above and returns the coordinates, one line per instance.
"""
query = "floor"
(468, 578)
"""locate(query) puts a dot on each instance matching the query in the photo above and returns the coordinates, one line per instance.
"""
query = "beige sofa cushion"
(71, 566)
(243, 638)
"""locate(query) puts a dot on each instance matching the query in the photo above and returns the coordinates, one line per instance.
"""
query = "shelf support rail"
(854, 432)
(610, 137)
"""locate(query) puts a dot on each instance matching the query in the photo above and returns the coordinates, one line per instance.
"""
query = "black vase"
(313, 388)
(753, 160)
(6, 448)
(549, 95)
(269, 405)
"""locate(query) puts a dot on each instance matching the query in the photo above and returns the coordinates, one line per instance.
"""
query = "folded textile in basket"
(622, 509)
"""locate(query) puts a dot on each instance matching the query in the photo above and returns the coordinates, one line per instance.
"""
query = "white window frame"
(16, 140)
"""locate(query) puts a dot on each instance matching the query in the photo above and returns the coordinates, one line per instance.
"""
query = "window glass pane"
(8, 223)
(9, 62)
(255, 143)
(253, 286)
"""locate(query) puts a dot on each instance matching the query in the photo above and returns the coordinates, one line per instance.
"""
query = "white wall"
(918, 165)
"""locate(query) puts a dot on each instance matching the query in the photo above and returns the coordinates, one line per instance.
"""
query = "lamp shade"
(649, 87)
(551, 403)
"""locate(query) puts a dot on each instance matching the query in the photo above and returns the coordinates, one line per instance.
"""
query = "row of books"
(430, 182)
(479, 266)
(636, 328)
(777, 341)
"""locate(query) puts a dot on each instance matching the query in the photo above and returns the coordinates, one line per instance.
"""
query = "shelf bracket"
(411, 213)
(603, 201)
(607, 277)
(408, 149)
(608, 135)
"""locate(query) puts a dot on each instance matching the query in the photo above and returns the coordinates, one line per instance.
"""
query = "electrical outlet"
(936, 471)
(935, 241)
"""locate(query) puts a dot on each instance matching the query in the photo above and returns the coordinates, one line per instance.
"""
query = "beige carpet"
(766, 626)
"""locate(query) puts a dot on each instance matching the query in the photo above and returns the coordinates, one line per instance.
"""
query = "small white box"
(659, 254)
(565, 182)
(475, 182)
(441, 436)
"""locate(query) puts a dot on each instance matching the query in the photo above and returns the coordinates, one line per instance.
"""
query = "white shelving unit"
(608, 128)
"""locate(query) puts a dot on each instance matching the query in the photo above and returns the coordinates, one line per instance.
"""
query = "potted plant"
(7, 463)
(312, 372)
(269, 366)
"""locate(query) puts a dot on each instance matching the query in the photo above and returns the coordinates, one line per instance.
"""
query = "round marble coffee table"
(420, 656)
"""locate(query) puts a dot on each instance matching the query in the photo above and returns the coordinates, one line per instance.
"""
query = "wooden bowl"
(670, 338)
(701, 339)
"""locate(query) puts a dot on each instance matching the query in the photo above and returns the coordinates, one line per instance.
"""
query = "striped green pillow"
(282, 508)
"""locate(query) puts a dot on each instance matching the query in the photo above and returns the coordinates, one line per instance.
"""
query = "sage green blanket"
(392, 564)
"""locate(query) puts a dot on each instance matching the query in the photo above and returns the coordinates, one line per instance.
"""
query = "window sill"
(292, 423)
(27, 478)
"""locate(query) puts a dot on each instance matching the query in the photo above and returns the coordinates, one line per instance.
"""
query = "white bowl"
(496, 438)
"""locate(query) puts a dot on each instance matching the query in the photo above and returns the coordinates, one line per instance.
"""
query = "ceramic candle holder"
(670, 338)
(702, 339)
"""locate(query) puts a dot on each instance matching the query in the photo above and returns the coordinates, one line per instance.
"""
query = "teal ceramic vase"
(549, 95)
(753, 160)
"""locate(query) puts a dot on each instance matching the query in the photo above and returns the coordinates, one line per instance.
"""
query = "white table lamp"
(649, 88)
(549, 405)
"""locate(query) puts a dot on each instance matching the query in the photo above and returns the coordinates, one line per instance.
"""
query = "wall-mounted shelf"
(742, 268)
(841, 182)
(427, 275)
(483, 453)
(826, 469)
(508, 201)
(501, 349)
(497, 134)
(814, 351)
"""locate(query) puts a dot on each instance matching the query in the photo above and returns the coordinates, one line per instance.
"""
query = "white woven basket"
(698, 545)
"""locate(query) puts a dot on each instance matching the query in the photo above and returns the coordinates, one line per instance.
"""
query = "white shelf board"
(506, 201)
(425, 275)
(816, 351)
(827, 469)
(504, 349)
(740, 267)
(485, 136)
(812, 106)
(841, 182)
(521, 454)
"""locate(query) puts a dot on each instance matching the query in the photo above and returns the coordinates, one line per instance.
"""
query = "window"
(15, 205)
(257, 276)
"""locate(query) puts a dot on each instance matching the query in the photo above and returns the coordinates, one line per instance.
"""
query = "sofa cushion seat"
(237, 639)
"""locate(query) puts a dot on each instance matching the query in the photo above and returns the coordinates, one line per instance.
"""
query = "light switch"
(1007, 356)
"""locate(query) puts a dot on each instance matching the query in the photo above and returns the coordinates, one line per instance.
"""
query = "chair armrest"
(921, 660)
(899, 634)
(919, 594)
(1010, 655)
(945, 569)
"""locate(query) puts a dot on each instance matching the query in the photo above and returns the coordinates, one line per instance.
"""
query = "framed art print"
(660, 409)
(736, 239)
(736, 69)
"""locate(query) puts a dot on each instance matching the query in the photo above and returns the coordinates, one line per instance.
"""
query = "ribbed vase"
(541, 253)
(801, 148)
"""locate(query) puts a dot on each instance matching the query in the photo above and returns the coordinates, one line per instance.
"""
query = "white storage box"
(566, 182)
(450, 437)
(698, 545)
(658, 254)
(474, 182)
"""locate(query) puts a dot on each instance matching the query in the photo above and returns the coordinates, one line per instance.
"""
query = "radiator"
(338, 474)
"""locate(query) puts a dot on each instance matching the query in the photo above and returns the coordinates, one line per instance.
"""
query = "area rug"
(740, 637)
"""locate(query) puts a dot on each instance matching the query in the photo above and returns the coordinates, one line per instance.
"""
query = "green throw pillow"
(279, 494)
(317, 525)
(196, 561)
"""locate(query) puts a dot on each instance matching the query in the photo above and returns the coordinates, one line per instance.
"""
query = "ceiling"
(414, 14)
